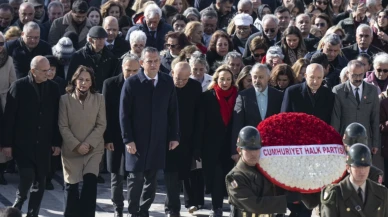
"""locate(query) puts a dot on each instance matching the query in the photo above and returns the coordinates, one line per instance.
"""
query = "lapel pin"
(348, 209)
(378, 208)
(364, 97)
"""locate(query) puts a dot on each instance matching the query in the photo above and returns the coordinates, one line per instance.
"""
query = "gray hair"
(332, 39)
(15, 1)
(130, 57)
(302, 15)
(270, 17)
(343, 72)
(232, 55)
(2, 35)
(192, 11)
(152, 10)
(380, 58)
(275, 51)
(30, 26)
(354, 64)
(370, 3)
(259, 66)
(244, 2)
(55, 4)
(148, 50)
(137, 36)
(26, 5)
(364, 26)
(208, 13)
(198, 57)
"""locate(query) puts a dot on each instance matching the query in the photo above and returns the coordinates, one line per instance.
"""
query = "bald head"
(181, 73)
(111, 26)
(40, 67)
(26, 12)
(314, 76)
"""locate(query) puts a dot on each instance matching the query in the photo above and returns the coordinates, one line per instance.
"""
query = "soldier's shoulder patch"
(328, 194)
(231, 181)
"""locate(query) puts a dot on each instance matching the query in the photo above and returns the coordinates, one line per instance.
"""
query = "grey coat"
(346, 110)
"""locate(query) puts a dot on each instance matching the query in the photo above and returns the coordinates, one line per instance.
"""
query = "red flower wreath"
(295, 129)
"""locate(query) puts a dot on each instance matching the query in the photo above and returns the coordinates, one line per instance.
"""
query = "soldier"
(356, 195)
(356, 133)
(250, 193)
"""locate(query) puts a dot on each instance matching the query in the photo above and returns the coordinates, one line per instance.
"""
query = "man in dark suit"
(303, 23)
(31, 131)
(115, 43)
(149, 126)
(113, 141)
(364, 38)
(255, 104)
(357, 101)
(54, 11)
(310, 97)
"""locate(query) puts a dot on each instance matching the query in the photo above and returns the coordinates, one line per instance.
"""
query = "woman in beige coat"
(7, 77)
(82, 124)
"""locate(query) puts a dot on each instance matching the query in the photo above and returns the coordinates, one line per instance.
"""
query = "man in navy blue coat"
(149, 126)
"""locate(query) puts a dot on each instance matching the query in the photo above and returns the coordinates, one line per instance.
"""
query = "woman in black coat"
(220, 44)
(216, 121)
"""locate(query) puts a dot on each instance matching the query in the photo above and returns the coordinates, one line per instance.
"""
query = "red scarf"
(226, 105)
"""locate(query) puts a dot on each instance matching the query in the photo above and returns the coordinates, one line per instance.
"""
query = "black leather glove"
(293, 196)
(197, 155)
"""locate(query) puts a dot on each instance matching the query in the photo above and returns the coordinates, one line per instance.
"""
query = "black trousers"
(172, 204)
(141, 191)
(30, 180)
(193, 189)
(218, 187)
(299, 210)
(3, 166)
(55, 162)
(83, 205)
(117, 196)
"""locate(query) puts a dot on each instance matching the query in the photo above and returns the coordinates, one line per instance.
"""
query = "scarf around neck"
(226, 99)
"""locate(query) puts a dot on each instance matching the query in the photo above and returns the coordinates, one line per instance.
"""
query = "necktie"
(110, 46)
(357, 96)
(359, 192)
(153, 82)
(153, 33)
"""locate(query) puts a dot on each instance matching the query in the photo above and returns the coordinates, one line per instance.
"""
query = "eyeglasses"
(45, 71)
(382, 70)
(320, 24)
(272, 30)
(358, 75)
(322, 3)
(258, 54)
(172, 45)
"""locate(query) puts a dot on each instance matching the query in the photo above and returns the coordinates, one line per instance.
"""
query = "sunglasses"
(382, 70)
(322, 3)
(258, 54)
(269, 30)
(172, 45)
(320, 24)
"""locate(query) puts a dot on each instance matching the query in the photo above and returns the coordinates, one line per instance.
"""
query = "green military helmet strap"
(359, 155)
(355, 133)
(249, 138)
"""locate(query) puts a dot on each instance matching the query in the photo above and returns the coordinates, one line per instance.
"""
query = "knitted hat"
(63, 49)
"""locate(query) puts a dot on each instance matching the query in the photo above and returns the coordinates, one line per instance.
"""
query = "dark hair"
(292, 30)
(124, 21)
(244, 73)
(91, 9)
(10, 212)
(80, 6)
(180, 36)
(258, 42)
(224, 1)
(300, 6)
(281, 9)
(169, 11)
(7, 7)
(328, 9)
(312, 7)
(324, 17)
(366, 56)
(320, 58)
(385, 11)
(216, 35)
(282, 69)
(73, 37)
(71, 87)
(179, 17)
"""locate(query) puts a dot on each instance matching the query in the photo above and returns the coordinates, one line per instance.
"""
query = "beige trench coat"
(81, 123)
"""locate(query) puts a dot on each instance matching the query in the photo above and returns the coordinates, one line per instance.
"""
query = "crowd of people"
(147, 85)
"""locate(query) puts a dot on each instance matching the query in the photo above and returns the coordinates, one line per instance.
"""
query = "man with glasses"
(96, 56)
(31, 132)
(115, 43)
(258, 48)
(357, 101)
(75, 21)
(364, 37)
(243, 23)
(25, 48)
(149, 123)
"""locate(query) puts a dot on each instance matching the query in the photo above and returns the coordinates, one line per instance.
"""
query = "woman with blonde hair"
(215, 128)
(194, 32)
(299, 69)
(12, 33)
(180, 5)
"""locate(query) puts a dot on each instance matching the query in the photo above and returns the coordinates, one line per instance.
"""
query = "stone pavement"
(52, 205)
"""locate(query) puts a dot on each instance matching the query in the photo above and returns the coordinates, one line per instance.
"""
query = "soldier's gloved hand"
(293, 196)
(197, 155)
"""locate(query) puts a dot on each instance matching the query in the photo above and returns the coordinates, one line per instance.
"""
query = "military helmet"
(249, 138)
(359, 155)
(355, 133)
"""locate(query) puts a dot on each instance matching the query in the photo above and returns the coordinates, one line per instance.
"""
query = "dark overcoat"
(31, 123)
(111, 91)
(149, 118)
(22, 56)
(180, 159)
(298, 98)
